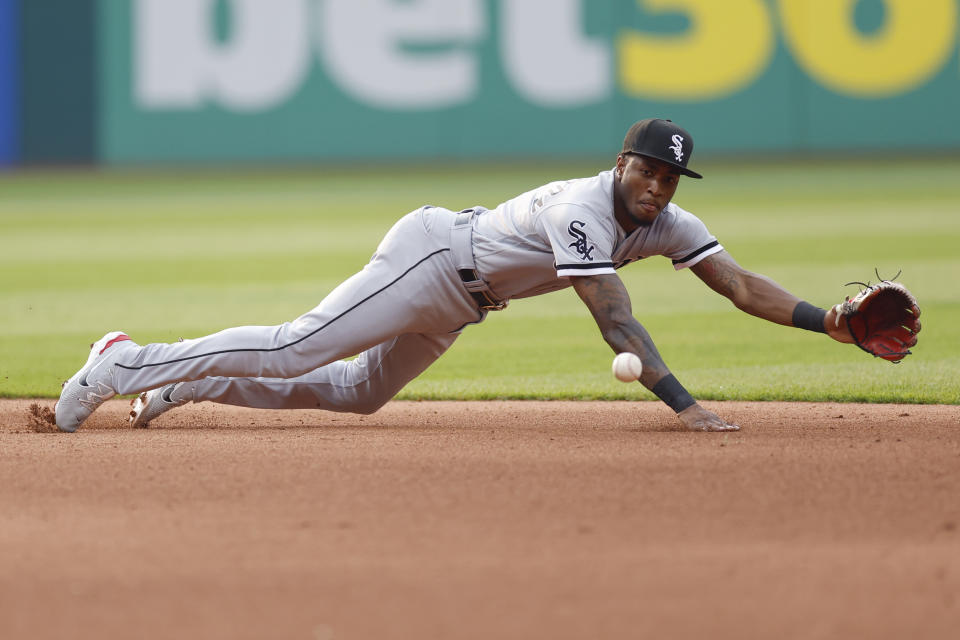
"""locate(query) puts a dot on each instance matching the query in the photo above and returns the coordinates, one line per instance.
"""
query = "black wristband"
(806, 316)
(673, 394)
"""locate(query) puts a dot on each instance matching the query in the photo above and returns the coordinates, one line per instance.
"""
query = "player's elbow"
(743, 291)
(743, 302)
(755, 294)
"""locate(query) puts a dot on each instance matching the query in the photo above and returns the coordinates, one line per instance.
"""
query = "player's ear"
(621, 161)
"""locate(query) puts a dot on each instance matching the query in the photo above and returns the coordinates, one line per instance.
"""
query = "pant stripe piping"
(295, 342)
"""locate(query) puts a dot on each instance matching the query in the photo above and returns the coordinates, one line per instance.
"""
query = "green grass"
(170, 254)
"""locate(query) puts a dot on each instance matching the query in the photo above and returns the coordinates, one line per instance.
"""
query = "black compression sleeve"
(806, 316)
(673, 394)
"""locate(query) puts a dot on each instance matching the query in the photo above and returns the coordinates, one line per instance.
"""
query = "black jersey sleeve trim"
(693, 255)
(582, 265)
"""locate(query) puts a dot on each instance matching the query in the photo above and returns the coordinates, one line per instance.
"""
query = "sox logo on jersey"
(580, 245)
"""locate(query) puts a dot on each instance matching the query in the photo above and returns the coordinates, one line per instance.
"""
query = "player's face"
(645, 186)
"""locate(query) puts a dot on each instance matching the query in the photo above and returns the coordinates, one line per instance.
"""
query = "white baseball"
(627, 367)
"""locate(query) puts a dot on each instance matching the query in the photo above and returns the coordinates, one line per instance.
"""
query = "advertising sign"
(210, 80)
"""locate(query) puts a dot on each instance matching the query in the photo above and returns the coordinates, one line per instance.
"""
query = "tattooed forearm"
(606, 298)
(609, 302)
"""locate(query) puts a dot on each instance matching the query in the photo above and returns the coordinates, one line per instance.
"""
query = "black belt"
(482, 298)
(461, 251)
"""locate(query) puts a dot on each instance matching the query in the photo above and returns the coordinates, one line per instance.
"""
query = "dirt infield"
(483, 520)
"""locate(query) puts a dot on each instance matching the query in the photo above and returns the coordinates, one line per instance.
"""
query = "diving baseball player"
(438, 271)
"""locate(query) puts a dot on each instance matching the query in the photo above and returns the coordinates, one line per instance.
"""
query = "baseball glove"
(883, 319)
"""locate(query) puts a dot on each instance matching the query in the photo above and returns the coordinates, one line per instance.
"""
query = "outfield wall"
(248, 80)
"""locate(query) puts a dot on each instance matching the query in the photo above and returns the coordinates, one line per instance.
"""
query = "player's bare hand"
(696, 418)
(837, 330)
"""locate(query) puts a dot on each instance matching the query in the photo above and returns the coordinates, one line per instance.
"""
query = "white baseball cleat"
(93, 384)
(150, 404)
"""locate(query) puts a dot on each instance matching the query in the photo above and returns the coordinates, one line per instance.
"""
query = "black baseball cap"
(663, 140)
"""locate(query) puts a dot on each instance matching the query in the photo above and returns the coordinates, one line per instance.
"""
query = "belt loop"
(461, 240)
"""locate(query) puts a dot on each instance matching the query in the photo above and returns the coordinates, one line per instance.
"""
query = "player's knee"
(368, 409)
(363, 399)
(369, 404)
(360, 407)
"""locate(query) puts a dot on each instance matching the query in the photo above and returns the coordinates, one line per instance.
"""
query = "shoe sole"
(139, 406)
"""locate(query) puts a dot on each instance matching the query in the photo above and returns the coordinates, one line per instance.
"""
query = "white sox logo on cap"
(662, 140)
(677, 146)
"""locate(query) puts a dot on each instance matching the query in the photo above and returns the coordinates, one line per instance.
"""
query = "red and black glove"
(883, 320)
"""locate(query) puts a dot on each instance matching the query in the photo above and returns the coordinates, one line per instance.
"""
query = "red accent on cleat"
(119, 338)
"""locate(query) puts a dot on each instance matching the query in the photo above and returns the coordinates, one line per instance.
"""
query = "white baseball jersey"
(533, 243)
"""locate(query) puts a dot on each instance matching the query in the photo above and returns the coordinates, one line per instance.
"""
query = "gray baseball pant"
(401, 312)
